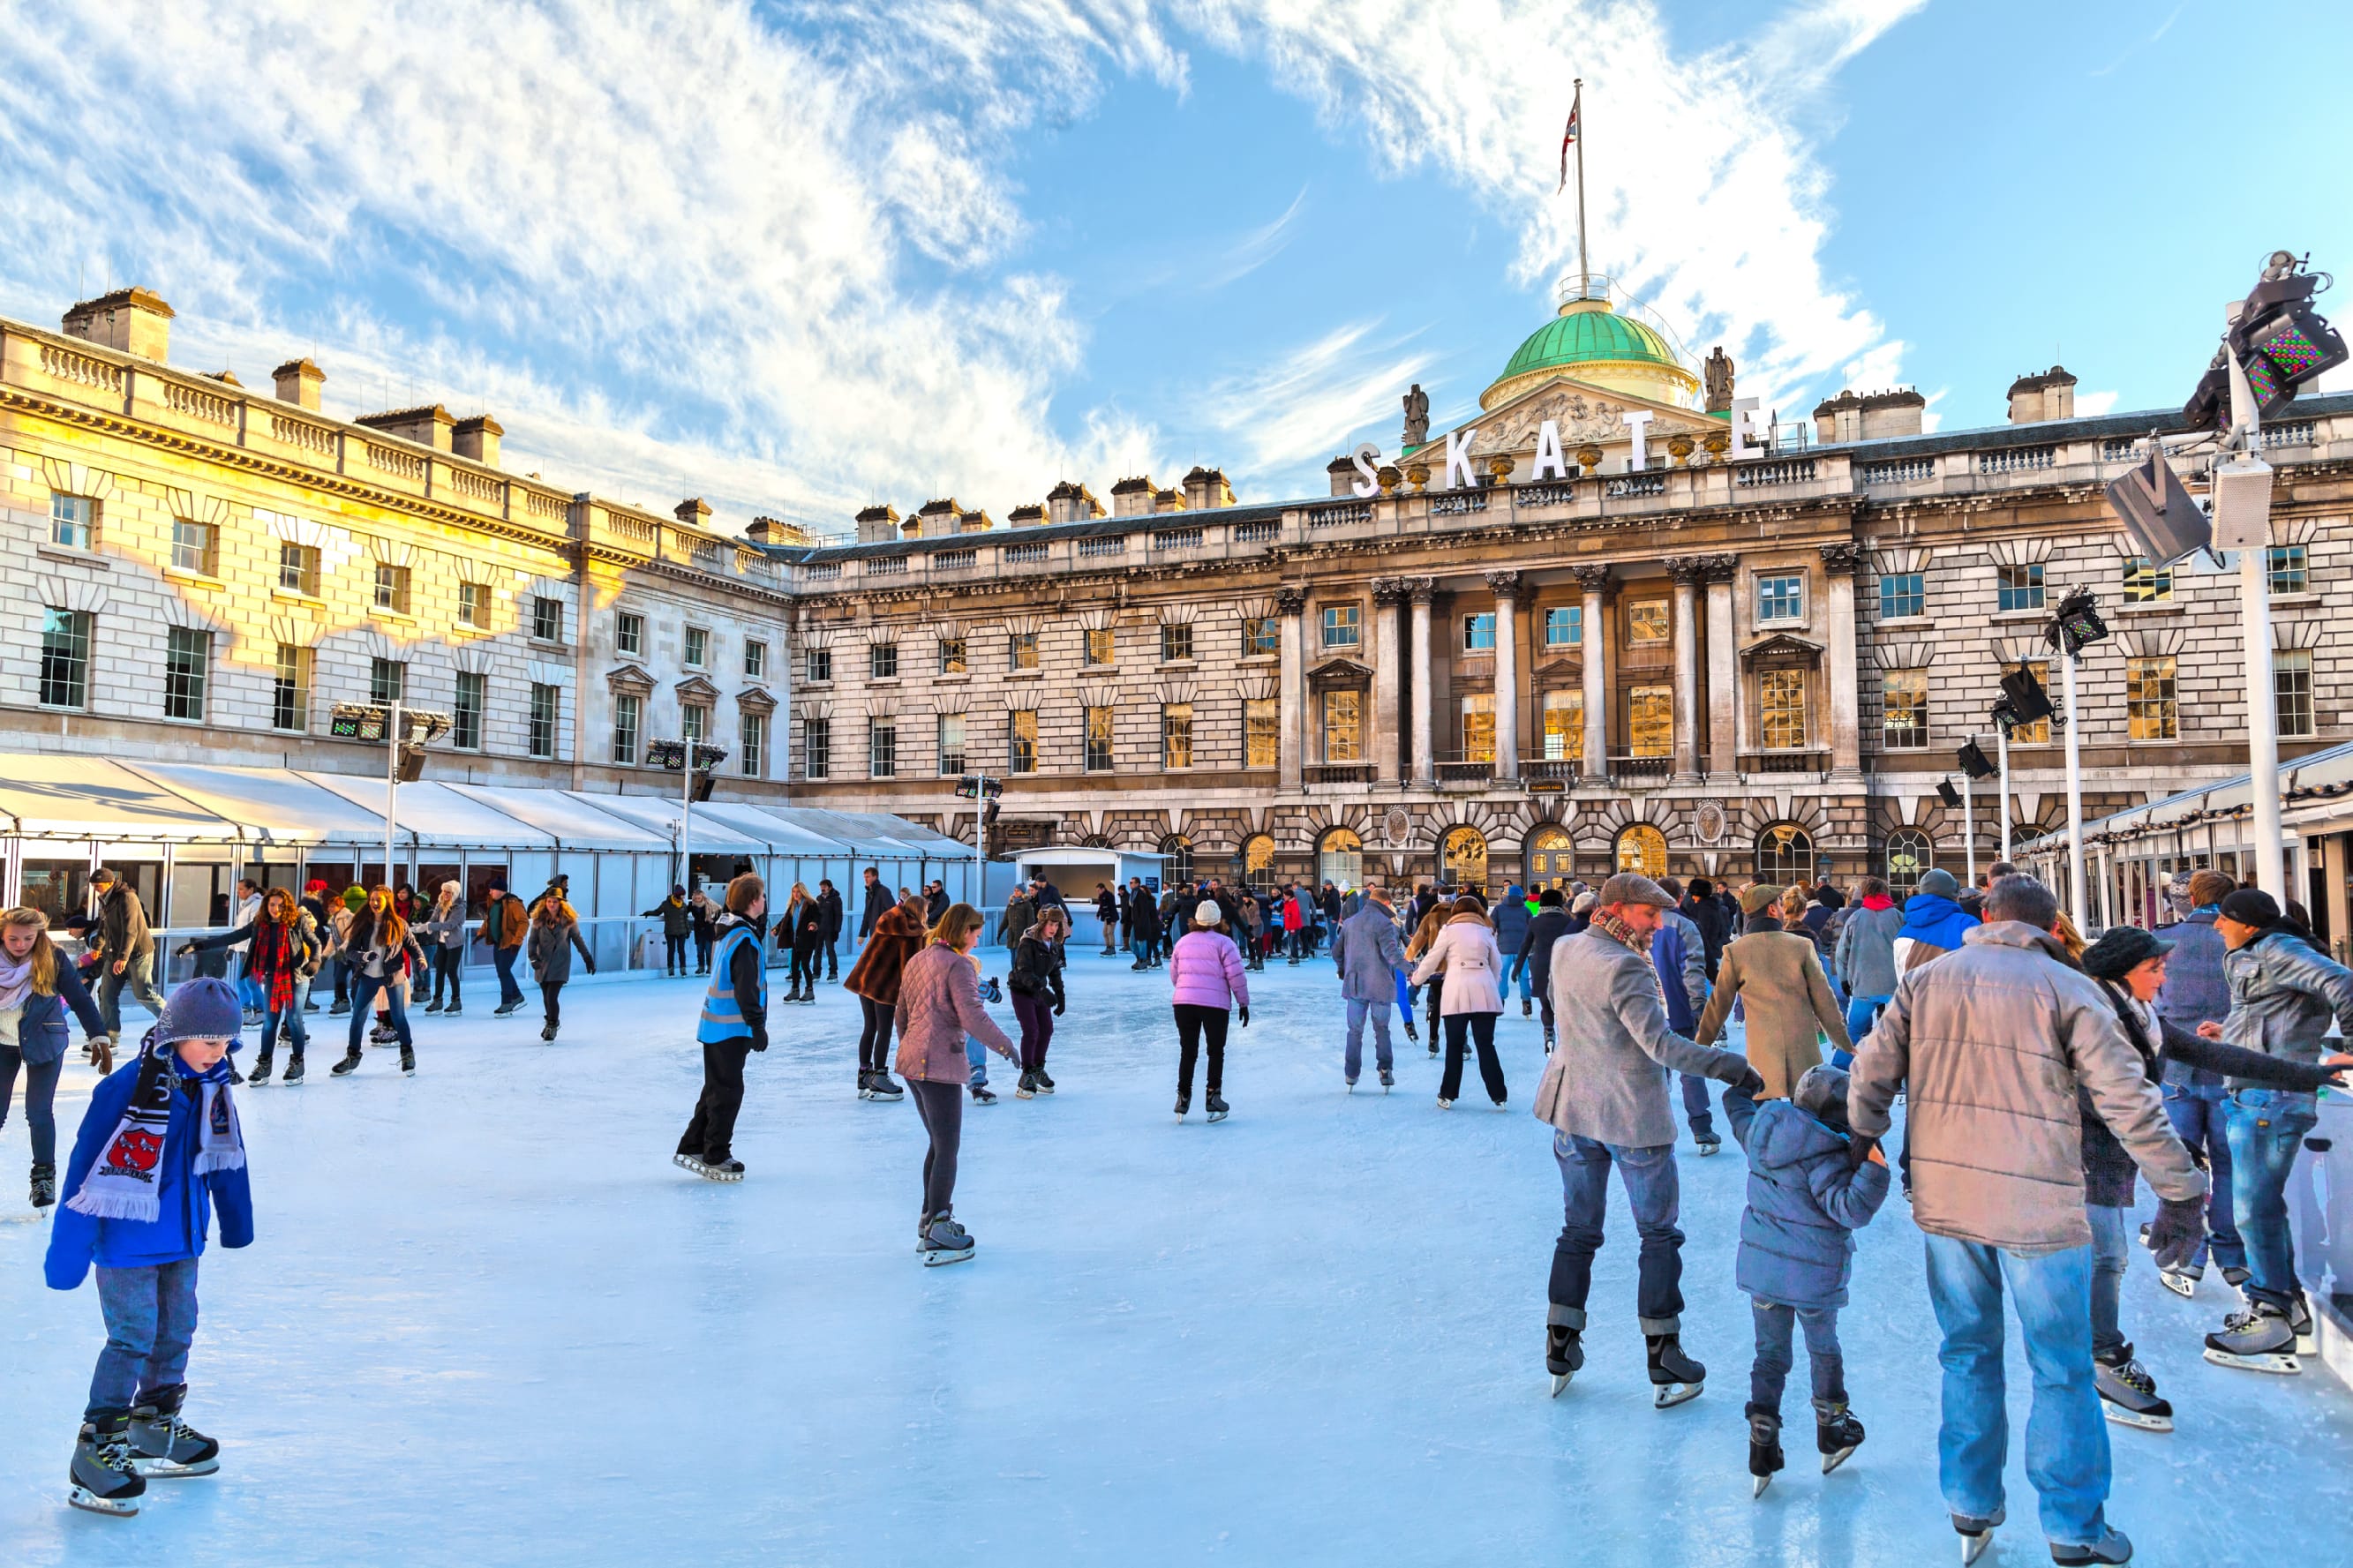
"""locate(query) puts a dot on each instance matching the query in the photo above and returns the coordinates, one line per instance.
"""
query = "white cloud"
(1297, 412)
(2092, 404)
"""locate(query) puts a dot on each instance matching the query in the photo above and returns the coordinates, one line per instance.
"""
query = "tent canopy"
(46, 795)
(574, 821)
(435, 814)
(270, 805)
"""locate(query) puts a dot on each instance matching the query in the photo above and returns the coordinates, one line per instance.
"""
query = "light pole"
(2255, 627)
(2074, 628)
(404, 761)
(2001, 744)
(391, 734)
(686, 754)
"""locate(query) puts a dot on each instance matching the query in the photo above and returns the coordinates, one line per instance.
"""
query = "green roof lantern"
(1593, 343)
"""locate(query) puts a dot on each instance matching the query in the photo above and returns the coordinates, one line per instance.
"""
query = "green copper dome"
(1584, 337)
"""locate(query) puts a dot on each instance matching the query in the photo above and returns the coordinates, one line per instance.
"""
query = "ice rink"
(486, 1321)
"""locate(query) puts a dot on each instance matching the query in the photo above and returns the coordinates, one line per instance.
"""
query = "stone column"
(1507, 672)
(1425, 769)
(1593, 579)
(1686, 571)
(1840, 560)
(1389, 638)
(1290, 605)
(1723, 671)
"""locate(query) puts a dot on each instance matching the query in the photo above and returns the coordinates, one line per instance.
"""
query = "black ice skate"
(1764, 1451)
(2128, 1393)
(45, 1185)
(1027, 1088)
(2113, 1547)
(2299, 1317)
(1564, 1354)
(1837, 1434)
(1976, 1534)
(104, 1478)
(1045, 1084)
(1184, 1104)
(259, 1076)
(885, 1087)
(164, 1447)
(1216, 1107)
(434, 1005)
(351, 1059)
(981, 1095)
(2260, 1339)
(1675, 1377)
(1389, 1080)
(686, 1162)
(945, 1241)
(721, 1171)
(451, 1011)
(865, 1083)
(1709, 1143)
(293, 1077)
(407, 1062)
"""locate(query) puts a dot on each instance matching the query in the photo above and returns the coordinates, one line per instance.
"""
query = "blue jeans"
(1653, 1190)
(363, 990)
(2111, 1254)
(1142, 947)
(1357, 1012)
(150, 1323)
(2066, 1437)
(2196, 1117)
(2266, 1127)
(976, 1057)
(1695, 1108)
(298, 1034)
(503, 959)
(1770, 1373)
(1862, 1012)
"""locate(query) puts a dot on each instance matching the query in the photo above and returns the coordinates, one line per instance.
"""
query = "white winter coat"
(1465, 949)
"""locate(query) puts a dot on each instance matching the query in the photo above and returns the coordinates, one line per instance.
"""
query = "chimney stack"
(128, 320)
(1206, 489)
(878, 524)
(694, 513)
(428, 425)
(1343, 476)
(2035, 398)
(1132, 497)
(476, 437)
(935, 517)
(298, 382)
(1072, 503)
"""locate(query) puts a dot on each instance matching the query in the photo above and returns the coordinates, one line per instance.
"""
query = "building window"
(1021, 741)
(1563, 626)
(698, 648)
(1176, 735)
(629, 634)
(1642, 849)
(1479, 726)
(817, 663)
(546, 618)
(952, 660)
(1646, 621)
(1902, 595)
(73, 522)
(187, 660)
(1904, 710)
(2292, 690)
(882, 661)
(950, 744)
(882, 748)
(1344, 727)
(1341, 626)
(290, 689)
(1551, 858)
(1781, 710)
(1909, 854)
(1780, 598)
(1098, 641)
(816, 748)
(1564, 725)
(1098, 740)
(1462, 859)
(628, 720)
(1262, 636)
(2150, 698)
(1261, 732)
(695, 720)
(391, 588)
(298, 569)
(1340, 859)
(1021, 650)
(1479, 633)
(2038, 733)
(544, 711)
(1175, 642)
(752, 731)
(474, 604)
(388, 681)
(195, 547)
(466, 718)
(1177, 865)
(1785, 855)
(2019, 588)
(1257, 859)
(2289, 573)
(755, 660)
(1650, 721)
(2145, 582)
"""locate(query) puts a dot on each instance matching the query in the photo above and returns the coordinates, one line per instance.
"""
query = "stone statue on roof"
(1417, 416)
(1718, 371)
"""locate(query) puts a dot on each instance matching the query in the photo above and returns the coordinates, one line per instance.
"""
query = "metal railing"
(1566, 769)
(1339, 773)
(1625, 765)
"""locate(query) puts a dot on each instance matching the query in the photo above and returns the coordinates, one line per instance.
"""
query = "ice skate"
(2299, 1317)
(865, 1084)
(451, 1011)
(887, 1088)
(1564, 1355)
(686, 1162)
(1184, 1104)
(502, 1009)
(981, 1095)
(351, 1059)
(434, 1005)
(293, 1077)
(407, 1062)
(1764, 1451)
(1027, 1088)
(1675, 1377)
(1410, 1034)
(1351, 1084)
(1709, 1143)
(45, 1185)
(547, 1031)
(1527, 1008)
(1444, 1103)
(105, 1480)
(721, 1171)
(2180, 1281)
(2128, 1393)
(1837, 1434)
(341, 1008)
(1976, 1534)
(1216, 1107)
(164, 1447)
(1045, 1084)
(2111, 1547)
(945, 1241)
(2258, 1340)
(1389, 1080)
(259, 1076)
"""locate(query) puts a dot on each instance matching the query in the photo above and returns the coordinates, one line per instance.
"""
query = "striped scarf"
(125, 1182)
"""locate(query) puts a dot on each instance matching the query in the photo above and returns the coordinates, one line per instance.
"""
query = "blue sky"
(797, 257)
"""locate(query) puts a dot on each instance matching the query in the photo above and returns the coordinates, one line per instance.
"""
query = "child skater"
(159, 1146)
(1806, 1199)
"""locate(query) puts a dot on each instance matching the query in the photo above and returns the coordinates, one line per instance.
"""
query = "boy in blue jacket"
(1807, 1196)
(159, 1147)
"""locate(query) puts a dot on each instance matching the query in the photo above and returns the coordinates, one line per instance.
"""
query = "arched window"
(1785, 854)
(1909, 853)
(1642, 849)
(1178, 865)
(1551, 858)
(1340, 859)
(1258, 861)
(1464, 861)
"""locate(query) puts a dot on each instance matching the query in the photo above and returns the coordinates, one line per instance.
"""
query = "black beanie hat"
(2251, 907)
(2120, 950)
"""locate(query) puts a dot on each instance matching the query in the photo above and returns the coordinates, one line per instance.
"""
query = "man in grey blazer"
(1369, 955)
(1605, 1094)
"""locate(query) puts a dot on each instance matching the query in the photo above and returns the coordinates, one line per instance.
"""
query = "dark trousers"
(941, 1107)
(1194, 1021)
(701, 953)
(1037, 1015)
(674, 960)
(40, 1099)
(1653, 1191)
(1695, 1107)
(343, 973)
(503, 959)
(548, 998)
(1478, 1027)
(711, 1135)
(363, 993)
(139, 975)
(874, 1038)
(1766, 1377)
(805, 965)
(447, 963)
(832, 959)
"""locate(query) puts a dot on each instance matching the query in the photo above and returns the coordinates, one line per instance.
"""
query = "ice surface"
(486, 1321)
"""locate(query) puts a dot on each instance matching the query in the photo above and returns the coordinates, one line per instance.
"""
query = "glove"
(1245, 1016)
(1058, 1006)
(2179, 1226)
(592, 967)
(1860, 1147)
(1750, 1082)
(760, 1042)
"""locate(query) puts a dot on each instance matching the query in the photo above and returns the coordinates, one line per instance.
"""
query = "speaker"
(2243, 505)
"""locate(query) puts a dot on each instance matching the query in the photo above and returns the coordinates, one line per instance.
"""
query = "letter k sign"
(1457, 459)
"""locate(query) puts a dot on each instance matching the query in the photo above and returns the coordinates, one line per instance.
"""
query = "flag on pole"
(1568, 140)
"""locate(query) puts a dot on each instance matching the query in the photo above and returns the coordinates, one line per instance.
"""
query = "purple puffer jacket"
(1206, 970)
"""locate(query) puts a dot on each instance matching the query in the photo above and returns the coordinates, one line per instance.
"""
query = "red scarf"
(1877, 901)
(272, 960)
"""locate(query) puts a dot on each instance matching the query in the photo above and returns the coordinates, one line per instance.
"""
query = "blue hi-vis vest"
(722, 1018)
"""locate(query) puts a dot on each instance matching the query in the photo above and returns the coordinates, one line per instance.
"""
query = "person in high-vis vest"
(734, 1021)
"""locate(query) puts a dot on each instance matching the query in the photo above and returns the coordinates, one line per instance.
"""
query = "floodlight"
(1946, 793)
(2078, 625)
(2024, 698)
(1973, 759)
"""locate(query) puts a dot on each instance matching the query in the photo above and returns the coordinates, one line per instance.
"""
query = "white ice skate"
(2258, 1340)
(2181, 1282)
(687, 1162)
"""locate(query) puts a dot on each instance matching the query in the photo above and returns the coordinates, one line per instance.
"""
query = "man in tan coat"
(1778, 974)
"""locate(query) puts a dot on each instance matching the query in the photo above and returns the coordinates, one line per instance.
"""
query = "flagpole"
(1577, 115)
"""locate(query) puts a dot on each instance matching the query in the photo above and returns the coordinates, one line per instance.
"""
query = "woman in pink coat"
(1206, 975)
(938, 1006)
